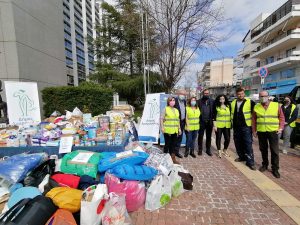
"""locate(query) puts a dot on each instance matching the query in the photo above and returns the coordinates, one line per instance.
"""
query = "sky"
(240, 13)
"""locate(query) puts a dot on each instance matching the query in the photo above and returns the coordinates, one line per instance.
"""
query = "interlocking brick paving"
(221, 195)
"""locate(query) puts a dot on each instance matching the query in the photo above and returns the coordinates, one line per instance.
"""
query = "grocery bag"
(92, 204)
(115, 212)
(159, 193)
(176, 183)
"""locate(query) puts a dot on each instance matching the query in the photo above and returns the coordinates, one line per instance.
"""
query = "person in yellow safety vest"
(241, 111)
(290, 112)
(222, 123)
(267, 125)
(192, 126)
(170, 127)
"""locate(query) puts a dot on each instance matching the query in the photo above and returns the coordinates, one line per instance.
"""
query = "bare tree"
(182, 28)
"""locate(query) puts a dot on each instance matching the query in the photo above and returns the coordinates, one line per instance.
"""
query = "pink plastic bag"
(135, 191)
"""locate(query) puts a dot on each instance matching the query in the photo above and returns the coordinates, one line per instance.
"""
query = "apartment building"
(31, 42)
(79, 19)
(238, 69)
(275, 43)
(217, 75)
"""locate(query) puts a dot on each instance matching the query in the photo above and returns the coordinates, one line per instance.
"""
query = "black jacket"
(211, 103)
(287, 114)
(178, 107)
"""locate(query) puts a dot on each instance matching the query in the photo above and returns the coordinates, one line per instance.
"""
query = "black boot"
(199, 151)
(186, 153)
(192, 153)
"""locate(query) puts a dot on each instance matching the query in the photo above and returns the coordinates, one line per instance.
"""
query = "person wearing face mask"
(241, 110)
(192, 126)
(267, 125)
(206, 106)
(222, 123)
(170, 127)
(290, 112)
(180, 104)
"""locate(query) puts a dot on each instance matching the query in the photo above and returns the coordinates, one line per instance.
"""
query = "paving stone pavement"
(221, 195)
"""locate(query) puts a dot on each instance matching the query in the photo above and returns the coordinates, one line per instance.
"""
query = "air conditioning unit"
(295, 53)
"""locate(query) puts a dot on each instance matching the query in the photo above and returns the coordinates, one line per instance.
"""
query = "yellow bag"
(66, 198)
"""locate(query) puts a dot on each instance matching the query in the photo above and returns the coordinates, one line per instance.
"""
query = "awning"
(281, 90)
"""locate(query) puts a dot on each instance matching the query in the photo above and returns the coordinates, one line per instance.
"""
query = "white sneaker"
(284, 151)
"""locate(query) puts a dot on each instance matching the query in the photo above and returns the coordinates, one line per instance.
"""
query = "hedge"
(88, 98)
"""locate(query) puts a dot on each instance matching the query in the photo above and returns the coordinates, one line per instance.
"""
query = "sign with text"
(22, 102)
(65, 145)
(149, 126)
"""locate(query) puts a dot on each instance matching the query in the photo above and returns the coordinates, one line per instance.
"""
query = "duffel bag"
(28, 211)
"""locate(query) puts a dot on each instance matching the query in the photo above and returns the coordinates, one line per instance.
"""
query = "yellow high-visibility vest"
(171, 122)
(193, 118)
(267, 120)
(223, 117)
(246, 111)
(293, 124)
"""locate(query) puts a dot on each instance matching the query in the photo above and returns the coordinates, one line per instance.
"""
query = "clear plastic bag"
(115, 212)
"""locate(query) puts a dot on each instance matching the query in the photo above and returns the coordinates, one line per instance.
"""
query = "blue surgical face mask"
(193, 103)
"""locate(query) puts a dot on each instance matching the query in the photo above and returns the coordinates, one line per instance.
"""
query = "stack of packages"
(88, 188)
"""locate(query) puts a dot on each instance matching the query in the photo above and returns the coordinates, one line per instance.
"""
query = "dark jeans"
(170, 143)
(226, 134)
(271, 138)
(191, 137)
(179, 139)
(243, 143)
(205, 126)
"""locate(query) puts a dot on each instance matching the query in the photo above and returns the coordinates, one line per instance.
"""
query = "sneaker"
(225, 152)
(179, 155)
(284, 151)
(263, 168)
(276, 173)
(209, 153)
(239, 160)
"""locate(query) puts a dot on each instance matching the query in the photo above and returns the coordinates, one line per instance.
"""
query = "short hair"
(206, 89)
(190, 99)
(170, 99)
(240, 89)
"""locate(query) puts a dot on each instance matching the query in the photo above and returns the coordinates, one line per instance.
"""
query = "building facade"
(80, 18)
(217, 75)
(276, 42)
(31, 42)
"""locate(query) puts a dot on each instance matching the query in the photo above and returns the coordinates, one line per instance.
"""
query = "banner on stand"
(22, 102)
(149, 126)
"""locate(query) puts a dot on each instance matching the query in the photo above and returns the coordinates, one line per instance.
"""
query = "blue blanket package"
(15, 168)
(110, 160)
(133, 172)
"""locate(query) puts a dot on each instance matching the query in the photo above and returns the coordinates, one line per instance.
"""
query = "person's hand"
(188, 129)
(254, 134)
(279, 131)
(163, 130)
(215, 129)
(179, 131)
(285, 123)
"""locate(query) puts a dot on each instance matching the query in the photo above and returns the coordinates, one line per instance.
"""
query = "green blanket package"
(81, 163)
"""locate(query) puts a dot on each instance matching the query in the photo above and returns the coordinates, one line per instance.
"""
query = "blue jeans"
(243, 143)
(191, 137)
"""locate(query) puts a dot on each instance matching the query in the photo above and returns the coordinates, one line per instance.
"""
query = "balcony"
(280, 61)
(288, 12)
(280, 42)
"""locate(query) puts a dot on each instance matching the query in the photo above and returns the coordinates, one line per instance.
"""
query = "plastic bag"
(115, 212)
(76, 112)
(162, 162)
(159, 193)
(176, 183)
(135, 191)
(92, 204)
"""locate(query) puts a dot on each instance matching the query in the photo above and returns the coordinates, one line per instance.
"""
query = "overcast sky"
(241, 13)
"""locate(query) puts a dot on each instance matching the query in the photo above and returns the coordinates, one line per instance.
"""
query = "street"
(225, 193)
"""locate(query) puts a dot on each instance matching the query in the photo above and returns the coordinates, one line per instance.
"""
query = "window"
(289, 73)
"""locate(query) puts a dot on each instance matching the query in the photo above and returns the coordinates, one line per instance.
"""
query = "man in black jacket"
(206, 106)
(180, 104)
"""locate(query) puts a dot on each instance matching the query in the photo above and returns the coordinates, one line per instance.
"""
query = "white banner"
(22, 102)
(149, 126)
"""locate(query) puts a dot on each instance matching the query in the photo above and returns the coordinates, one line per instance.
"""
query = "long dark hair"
(189, 102)
(218, 103)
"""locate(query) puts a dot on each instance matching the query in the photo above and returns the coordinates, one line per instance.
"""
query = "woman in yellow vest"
(290, 113)
(192, 126)
(222, 123)
(170, 127)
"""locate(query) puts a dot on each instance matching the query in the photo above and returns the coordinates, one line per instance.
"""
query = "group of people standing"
(266, 120)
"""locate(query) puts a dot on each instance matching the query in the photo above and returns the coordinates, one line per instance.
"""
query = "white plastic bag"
(159, 193)
(92, 203)
(115, 212)
(176, 183)
(77, 112)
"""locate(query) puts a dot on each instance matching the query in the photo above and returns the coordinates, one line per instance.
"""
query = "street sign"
(263, 72)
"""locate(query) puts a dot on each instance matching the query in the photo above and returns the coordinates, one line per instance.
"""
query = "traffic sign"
(263, 72)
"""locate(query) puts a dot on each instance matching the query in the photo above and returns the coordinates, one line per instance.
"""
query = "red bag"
(66, 180)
